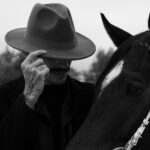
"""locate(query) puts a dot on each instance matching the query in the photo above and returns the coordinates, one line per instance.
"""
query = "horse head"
(122, 95)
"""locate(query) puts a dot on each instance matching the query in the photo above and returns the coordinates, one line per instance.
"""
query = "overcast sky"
(130, 15)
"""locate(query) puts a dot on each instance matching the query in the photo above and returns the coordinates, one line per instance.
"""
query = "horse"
(122, 98)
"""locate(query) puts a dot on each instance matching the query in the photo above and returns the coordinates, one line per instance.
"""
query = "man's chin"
(55, 81)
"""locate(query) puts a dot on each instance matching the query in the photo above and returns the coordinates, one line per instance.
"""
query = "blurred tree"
(75, 74)
(9, 66)
(97, 67)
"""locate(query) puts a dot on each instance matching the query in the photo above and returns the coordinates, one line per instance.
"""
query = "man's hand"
(34, 72)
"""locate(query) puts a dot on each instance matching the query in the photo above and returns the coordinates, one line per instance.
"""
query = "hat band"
(47, 43)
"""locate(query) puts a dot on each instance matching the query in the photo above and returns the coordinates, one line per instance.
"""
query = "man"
(44, 108)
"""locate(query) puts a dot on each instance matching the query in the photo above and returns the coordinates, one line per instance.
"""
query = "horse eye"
(134, 88)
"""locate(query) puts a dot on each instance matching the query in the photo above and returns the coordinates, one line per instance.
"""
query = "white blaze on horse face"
(113, 74)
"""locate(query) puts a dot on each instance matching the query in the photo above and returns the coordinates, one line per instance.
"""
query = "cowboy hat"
(50, 27)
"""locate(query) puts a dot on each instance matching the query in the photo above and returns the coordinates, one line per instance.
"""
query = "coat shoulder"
(11, 89)
(13, 85)
(8, 94)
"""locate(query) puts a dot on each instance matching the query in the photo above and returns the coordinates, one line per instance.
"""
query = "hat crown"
(50, 27)
(51, 22)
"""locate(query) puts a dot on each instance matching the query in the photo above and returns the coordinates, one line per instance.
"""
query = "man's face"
(58, 70)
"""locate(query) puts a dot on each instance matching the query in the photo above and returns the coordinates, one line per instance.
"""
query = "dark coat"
(26, 129)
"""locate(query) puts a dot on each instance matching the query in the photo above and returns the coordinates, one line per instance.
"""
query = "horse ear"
(117, 35)
(149, 21)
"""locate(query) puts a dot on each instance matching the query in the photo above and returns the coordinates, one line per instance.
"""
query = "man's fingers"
(38, 62)
(40, 72)
(43, 72)
(41, 77)
(31, 57)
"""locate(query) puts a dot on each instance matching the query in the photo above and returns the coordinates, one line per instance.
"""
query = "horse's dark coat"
(124, 103)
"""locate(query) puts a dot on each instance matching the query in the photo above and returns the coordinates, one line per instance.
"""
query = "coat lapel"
(66, 114)
(42, 109)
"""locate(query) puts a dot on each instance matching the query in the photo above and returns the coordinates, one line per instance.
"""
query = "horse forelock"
(113, 74)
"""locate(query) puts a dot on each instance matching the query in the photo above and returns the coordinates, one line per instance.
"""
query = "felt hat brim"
(83, 48)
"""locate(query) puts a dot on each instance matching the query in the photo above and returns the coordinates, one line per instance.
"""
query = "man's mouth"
(59, 70)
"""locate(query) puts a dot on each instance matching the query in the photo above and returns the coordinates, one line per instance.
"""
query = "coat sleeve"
(17, 123)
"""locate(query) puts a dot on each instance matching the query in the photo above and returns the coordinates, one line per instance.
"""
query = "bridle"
(137, 135)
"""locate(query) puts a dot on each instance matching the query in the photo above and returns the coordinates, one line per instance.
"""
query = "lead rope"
(138, 134)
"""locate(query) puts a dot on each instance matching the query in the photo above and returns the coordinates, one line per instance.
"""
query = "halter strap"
(137, 135)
